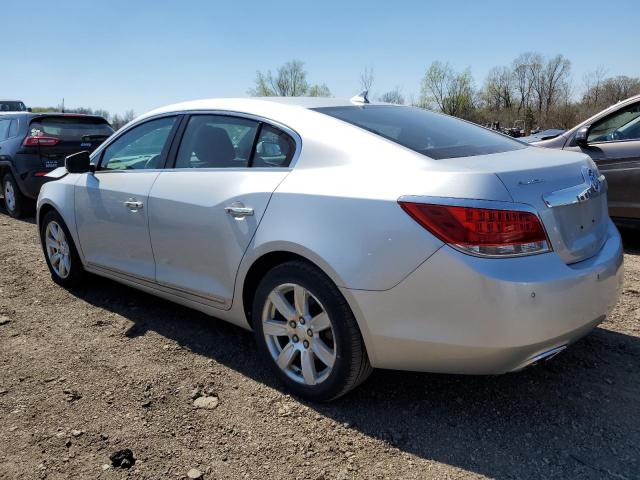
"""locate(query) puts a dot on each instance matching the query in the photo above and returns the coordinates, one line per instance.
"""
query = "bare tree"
(592, 82)
(366, 78)
(556, 81)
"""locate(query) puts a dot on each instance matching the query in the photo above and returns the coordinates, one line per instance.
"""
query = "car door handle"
(239, 210)
(133, 204)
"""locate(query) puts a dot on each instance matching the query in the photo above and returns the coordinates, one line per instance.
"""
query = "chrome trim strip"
(296, 137)
(211, 301)
(593, 187)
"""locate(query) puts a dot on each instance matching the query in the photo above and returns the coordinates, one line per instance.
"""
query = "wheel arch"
(259, 268)
(266, 260)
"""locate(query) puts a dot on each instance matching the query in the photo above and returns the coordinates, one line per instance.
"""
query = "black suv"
(33, 144)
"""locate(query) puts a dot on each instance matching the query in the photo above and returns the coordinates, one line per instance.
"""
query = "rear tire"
(315, 347)
(60, 252)
(16, 204)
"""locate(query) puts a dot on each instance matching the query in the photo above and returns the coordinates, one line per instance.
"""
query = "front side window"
(431, 134)
(216, 141)
(142, 147)
(274, 148)
(621, 125)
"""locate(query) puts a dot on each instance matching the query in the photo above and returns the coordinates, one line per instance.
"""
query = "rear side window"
(71, 128)
(273, 149)
(216, 141)
(434, 135)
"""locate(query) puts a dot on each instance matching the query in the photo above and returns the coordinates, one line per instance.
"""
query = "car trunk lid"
(565, 188)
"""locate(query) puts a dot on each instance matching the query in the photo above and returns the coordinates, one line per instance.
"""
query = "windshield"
(71, 128)
(434, 135)
(12, 106)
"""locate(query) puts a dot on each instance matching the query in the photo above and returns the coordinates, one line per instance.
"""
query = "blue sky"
(120, 55)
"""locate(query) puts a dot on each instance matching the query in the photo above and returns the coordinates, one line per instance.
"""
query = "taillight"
(482, 231)
(43, 141)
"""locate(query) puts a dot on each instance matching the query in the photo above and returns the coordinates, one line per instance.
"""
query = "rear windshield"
(71, 128)
(434, 135)
(10, 106)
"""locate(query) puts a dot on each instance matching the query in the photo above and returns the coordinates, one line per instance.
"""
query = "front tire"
(60, 252)
(307, 333)
(15, 202)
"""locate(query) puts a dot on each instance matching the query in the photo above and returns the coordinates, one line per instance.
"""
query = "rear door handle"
(133, 204)
(238, 210)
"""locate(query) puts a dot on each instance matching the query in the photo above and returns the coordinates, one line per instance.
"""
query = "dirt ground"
(103, 368)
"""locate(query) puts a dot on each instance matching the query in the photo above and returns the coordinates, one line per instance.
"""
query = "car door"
(111, 203)
(613, 142)
(204, 211)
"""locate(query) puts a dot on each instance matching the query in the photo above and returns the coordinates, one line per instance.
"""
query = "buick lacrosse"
(347, 235)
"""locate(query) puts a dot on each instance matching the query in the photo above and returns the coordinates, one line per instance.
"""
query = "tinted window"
(71, 128)
(434, 135)
(273, 149)
(216, 141)
(622, 125)
(12, 107)
(139, 148)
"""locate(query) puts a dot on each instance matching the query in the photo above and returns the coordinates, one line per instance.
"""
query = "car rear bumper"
(462, 314)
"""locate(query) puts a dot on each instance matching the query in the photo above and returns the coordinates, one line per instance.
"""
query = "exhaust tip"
(542, 357)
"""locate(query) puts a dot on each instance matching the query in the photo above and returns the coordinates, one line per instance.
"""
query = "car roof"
(249, 104)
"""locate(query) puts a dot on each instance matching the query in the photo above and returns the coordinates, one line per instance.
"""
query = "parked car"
(13, 106)
(612, 139)
(33, 144)
(347, 235)
(542, 135)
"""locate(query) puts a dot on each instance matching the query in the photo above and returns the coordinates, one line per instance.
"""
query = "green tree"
(449, 91)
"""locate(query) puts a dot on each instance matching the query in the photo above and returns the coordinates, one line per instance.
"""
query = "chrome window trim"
(286, 129)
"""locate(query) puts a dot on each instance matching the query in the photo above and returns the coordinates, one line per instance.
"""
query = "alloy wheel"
(58, 250)
(9, 196)
(299, 334)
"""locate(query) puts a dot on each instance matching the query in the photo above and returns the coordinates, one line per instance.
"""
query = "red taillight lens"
(482, 231)
(43, 141)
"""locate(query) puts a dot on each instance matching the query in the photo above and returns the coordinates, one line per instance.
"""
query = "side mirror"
(78, 163)
(581, 136)
(28, 109)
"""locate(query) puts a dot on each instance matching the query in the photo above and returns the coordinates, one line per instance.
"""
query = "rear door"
(111, 203)
(614, 144)
(56, 136)
(204, 212)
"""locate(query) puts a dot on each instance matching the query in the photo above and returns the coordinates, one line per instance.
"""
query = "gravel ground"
(104, 368)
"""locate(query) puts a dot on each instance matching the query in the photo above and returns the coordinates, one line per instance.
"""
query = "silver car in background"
(347, 235)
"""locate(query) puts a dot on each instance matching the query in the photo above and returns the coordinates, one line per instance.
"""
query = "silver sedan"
(347, 235)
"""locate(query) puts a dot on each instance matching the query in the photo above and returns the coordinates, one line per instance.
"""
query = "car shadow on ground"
(576, 415)
(3, 212)
(630, 240)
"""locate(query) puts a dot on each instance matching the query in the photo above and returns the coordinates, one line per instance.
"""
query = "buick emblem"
(594, 183)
